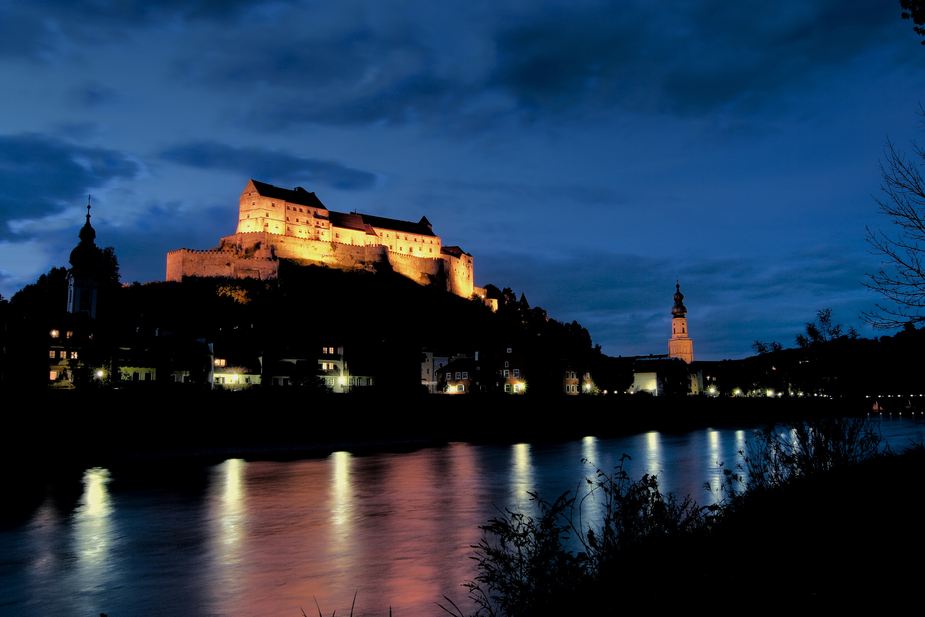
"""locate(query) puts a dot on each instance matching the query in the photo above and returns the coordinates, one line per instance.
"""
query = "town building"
(276, 223)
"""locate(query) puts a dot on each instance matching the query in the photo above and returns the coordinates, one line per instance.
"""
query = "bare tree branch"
(901, 277)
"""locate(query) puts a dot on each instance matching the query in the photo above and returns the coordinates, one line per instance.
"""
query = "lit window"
(69, 334)
(52, 375)
(63, 355)
(54, 334)
(219, 362)
(73, 355)
(52, 354)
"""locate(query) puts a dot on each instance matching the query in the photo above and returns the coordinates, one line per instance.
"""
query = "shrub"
(525, 566)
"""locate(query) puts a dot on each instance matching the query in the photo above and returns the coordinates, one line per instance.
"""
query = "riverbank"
(849, 539)
(99, 427)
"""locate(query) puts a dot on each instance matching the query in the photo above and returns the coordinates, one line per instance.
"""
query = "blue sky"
(586, 153)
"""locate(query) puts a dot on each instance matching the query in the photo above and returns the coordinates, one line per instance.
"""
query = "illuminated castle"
(276, 223)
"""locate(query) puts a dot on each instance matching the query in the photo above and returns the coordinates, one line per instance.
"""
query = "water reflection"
(265, 537)
(227, 529)
(92, 537)
(522, 479)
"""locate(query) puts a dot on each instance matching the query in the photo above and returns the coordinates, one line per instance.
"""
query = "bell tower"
(83, 277)
(680, 345)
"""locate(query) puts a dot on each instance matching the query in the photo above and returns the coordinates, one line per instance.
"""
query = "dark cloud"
(94, 95)
(690, 59)
(41, 175)
(43, 29)
(269, 166)
(704, 58)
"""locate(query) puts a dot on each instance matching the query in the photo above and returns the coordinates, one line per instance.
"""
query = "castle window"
(73, 355)
(52, 354)
(506, 364)
(517, 373)
(465, 375)
(507, 373)
(460, 388)
(63, 355)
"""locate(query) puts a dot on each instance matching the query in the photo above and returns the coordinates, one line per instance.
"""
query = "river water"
(272, 538)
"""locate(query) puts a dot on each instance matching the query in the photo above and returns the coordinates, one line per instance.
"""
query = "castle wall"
(185, 262)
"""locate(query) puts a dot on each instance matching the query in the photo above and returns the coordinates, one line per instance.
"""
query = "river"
(272, 538)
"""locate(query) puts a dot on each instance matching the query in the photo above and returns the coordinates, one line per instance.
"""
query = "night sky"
(587, 154)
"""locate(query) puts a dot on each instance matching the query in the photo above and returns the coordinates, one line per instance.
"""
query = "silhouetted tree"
(764, 348)
(902, 283)
(914, 10)
(819, 331)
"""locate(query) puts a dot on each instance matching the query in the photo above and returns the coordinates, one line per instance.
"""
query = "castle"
(276, 223)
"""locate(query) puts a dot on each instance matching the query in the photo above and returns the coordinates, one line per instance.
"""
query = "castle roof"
(351, 221)
(298, 196)
(455, 251)
(403, 226)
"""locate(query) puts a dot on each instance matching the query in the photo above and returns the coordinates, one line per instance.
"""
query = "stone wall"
(185, 262)
(256, 254)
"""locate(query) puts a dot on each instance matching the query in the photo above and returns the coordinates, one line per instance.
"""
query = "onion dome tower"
(680, 345)
(83, 279)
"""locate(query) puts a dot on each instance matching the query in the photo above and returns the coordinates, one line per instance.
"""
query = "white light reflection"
(228, 529)
(522, 479)
(93, 533)
(341, 494)
(589, 450)
(652, 455)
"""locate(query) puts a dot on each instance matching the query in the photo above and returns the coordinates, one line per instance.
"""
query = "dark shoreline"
(125, 426)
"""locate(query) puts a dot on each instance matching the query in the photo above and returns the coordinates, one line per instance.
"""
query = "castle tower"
(680, 345)
(83, 279)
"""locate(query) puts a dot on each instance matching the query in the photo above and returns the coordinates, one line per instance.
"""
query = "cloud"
(269, 166)
(47, 29)
(41, 176)
(690, 59)
(468, 69)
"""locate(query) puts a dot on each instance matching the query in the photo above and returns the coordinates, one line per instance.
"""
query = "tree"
(763, 348)
(916, 12)
(819, 331)
(902, 281)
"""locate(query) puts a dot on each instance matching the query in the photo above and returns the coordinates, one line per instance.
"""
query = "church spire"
(680, 345)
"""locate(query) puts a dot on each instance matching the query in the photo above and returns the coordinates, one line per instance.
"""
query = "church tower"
(680, 345)
(83, 279)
